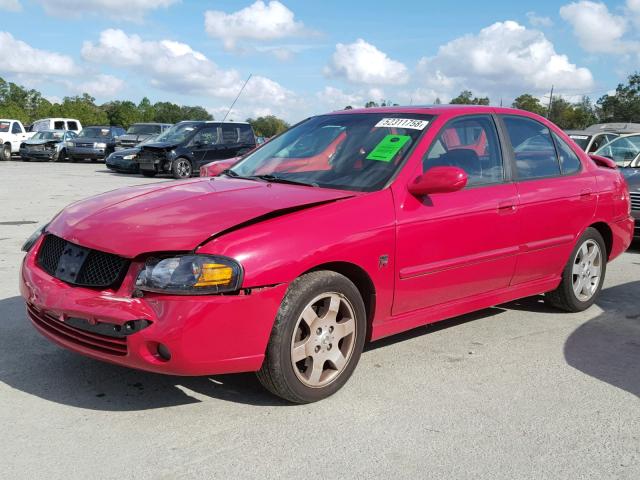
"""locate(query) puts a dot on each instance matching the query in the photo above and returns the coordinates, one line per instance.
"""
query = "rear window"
(72, 125)
(59, 125)
(4, 126)
(246, 134)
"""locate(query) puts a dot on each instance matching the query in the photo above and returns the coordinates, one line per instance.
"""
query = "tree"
(371, 104)
(529, 103)
(122, 113)
(348, 107)
(466, 98)
(195, 113)
(624, 105)
(268, 126)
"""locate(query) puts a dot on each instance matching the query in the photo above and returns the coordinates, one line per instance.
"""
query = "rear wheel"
(181, 168)
(583, 275)
(316, 340)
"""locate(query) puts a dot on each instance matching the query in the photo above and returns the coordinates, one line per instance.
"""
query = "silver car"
(47, 145)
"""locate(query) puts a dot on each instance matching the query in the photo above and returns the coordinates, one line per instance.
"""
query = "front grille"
(35, 148)
(79, 265)
(93, 341)
(635, 201)
(84, 145)
(127, 143)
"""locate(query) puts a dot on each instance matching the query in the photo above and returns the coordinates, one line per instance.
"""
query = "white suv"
(12, 134)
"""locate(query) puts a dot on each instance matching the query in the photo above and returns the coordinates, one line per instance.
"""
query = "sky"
(312, 57)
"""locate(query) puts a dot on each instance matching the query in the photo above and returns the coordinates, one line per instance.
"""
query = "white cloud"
(539, 21)
(103, 86)
(11, 5)
(19, 57)
(176, 67)
(259, 21)
(597, 29)
(363, 63)
(503, 59)
(131, 10)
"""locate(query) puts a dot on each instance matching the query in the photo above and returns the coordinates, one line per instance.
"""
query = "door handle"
(506, 207)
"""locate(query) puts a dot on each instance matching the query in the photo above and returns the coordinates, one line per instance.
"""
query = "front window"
(95, 132)
(48, 136)
(622, 150)
(346, 151)
(143, 129)
(178, 133)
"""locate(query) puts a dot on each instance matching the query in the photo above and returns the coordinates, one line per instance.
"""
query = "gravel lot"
(513, 392)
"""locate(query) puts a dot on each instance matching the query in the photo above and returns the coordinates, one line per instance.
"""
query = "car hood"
(41, 142)
(178, 216)
(91, 140)
(127, 151)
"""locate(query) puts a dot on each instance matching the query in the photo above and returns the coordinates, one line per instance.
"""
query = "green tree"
(466, 98)
(348, 107)
(371, 104)
(83, 108)
(124, 113)
(195, 113)
(529, 103)
(624, 105)
(268, 126)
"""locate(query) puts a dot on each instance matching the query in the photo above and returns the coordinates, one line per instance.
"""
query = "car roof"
(52, 130)
(438, 109)
(213, 121)
(614, 127)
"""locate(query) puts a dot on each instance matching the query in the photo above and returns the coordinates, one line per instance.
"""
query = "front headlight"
(190, 275)
(31, 241)
(100, 145)
(69, 144)
(129, 157)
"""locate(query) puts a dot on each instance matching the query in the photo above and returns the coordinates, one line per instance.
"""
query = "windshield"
(178, 133)
(95, 132)
(153, 138)
(623, 151)
(47, 136)
(581, 140)
(346, 151)
(143, 129)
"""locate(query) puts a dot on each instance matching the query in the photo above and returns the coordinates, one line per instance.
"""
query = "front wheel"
(181, 168)
(316, 340)
(59, 156)
(583, 275)
(6, 152)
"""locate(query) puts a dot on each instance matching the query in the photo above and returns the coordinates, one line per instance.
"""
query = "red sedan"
(347, 228)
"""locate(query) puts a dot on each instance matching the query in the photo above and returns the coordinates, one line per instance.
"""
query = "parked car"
(94, 143)
(139, 132)
(287, 271)
(47, 145)
(589, 141)
(70, 124)
(186, 146)
(12, 134)
(625, 151)
(124, 161)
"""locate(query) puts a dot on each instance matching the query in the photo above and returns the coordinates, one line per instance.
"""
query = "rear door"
(205, 146)
(453, 246)
(557, 197)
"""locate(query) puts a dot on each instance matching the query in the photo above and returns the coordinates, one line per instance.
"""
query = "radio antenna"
(236, 99)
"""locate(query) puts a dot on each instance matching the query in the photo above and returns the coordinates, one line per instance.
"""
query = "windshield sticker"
(579, 137)
(402, 123)
(388, 147)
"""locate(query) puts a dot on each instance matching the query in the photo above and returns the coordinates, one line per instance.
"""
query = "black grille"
(635, 201)
(94, 268)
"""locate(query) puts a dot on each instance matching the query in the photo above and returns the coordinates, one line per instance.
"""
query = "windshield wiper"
(274, 179)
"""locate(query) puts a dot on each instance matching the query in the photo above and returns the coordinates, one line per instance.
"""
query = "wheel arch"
(607, 235)
(361, 279)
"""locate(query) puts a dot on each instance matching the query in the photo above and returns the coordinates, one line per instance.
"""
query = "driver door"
(204, 146)
(454, 246)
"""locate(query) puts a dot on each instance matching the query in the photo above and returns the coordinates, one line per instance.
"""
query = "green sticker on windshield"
(388, 148)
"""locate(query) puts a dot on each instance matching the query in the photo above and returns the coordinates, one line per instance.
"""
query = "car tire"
(583, 276)
(59, 156)
(148, 173)
(181, 168)
(6, 152)
(316, 340)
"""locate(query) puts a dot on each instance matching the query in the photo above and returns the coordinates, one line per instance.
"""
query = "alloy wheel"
(323, 339)
(184, 168)
(587, 270)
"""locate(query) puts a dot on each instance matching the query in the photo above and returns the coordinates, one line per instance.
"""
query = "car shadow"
(608, 346)
(32, 364)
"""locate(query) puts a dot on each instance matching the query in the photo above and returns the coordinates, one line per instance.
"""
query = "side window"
(599, 141)
(246, 135)
(535, 153)
(470, 143)
(206, 136)
(16, 128)
(58, 125)
(569, 161)
(72, 125)
(229, 134)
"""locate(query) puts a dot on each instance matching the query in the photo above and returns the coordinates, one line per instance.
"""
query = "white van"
(70, 124)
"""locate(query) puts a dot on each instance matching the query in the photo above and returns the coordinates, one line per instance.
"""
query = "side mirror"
(439, 180)
(603, 162)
